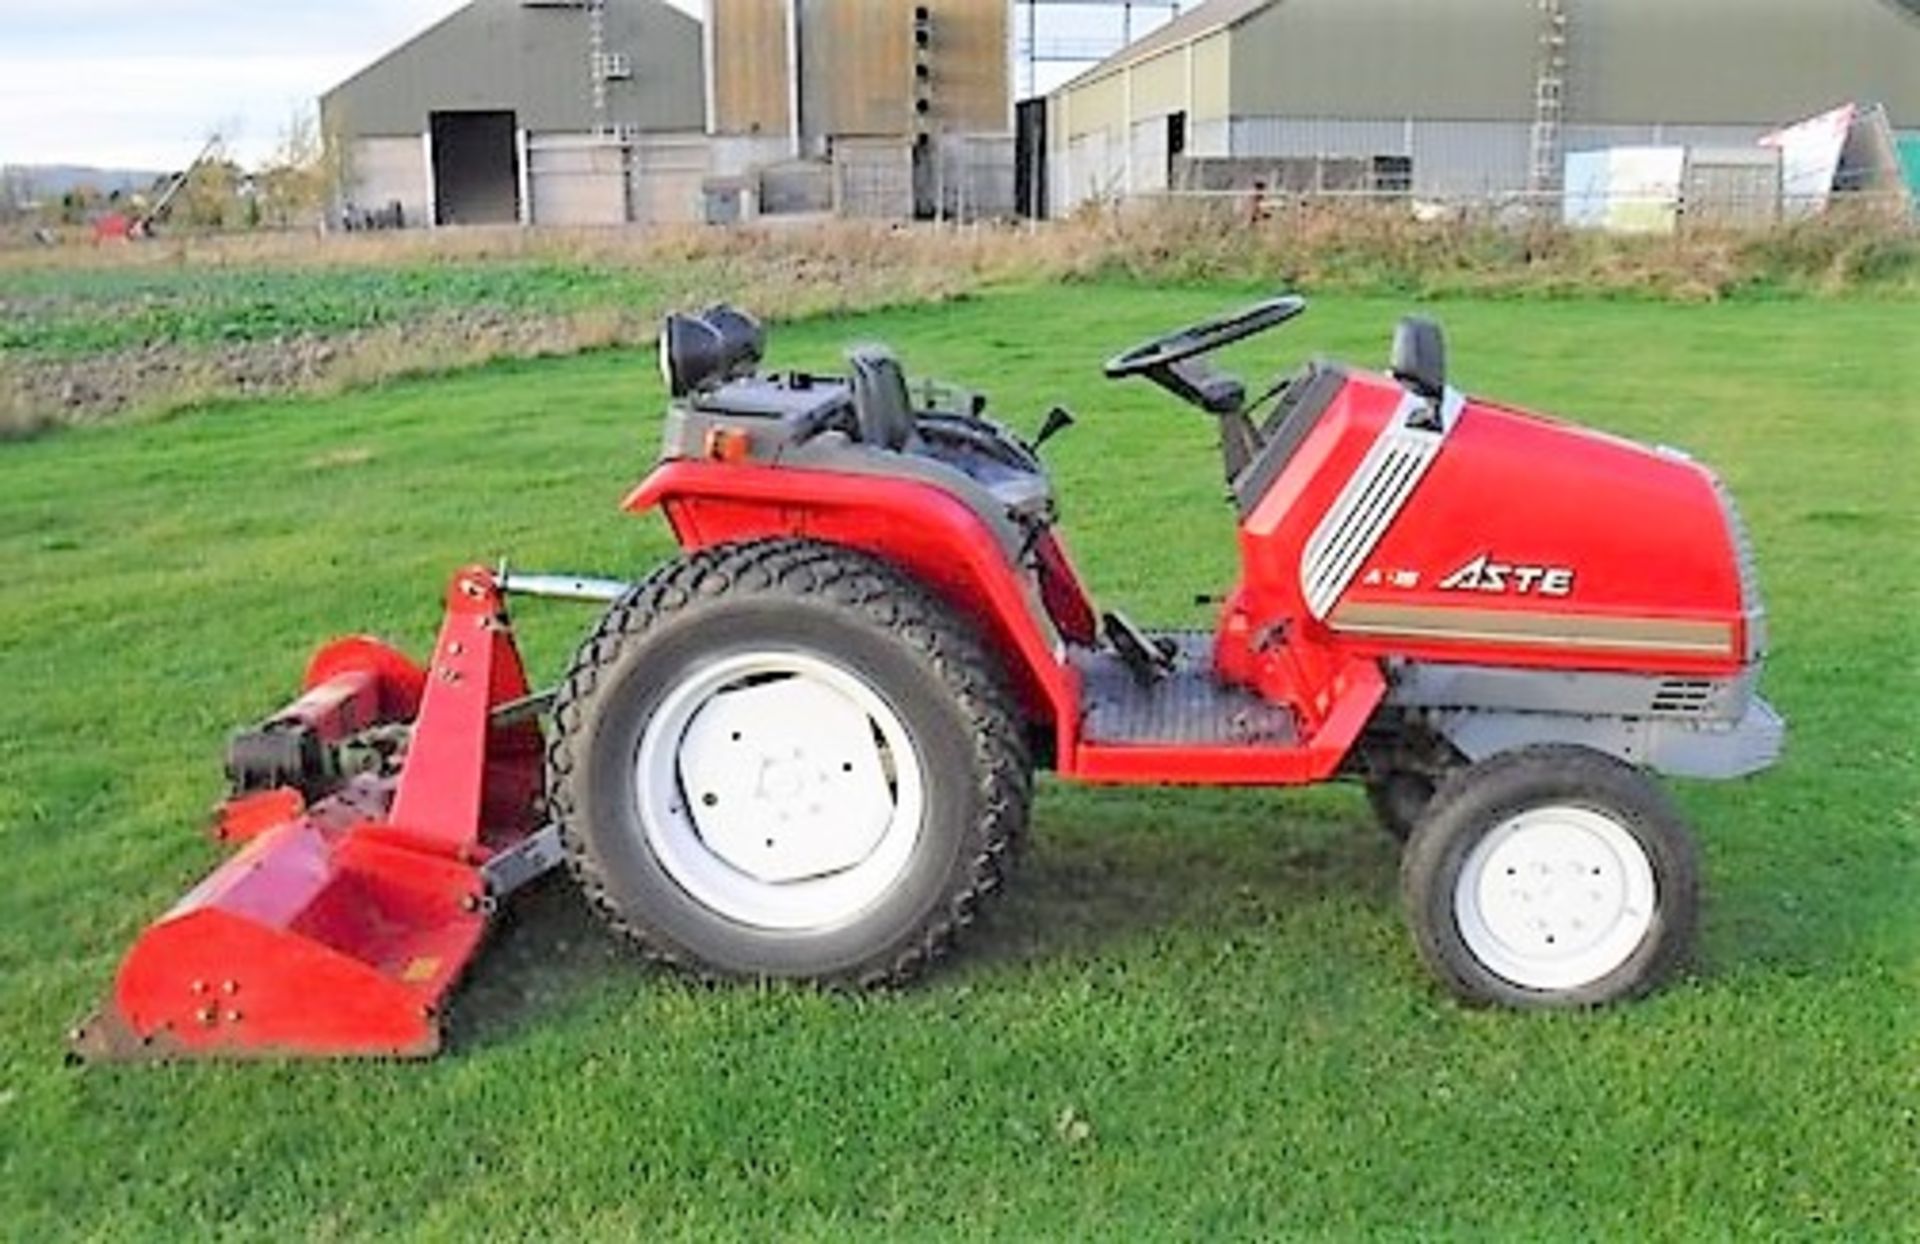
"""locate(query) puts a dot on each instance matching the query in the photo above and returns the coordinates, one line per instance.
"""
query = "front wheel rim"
(1555, 898)
(779, 789)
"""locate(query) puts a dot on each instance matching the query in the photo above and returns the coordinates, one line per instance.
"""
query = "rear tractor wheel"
(1551, 876)
(786, 759)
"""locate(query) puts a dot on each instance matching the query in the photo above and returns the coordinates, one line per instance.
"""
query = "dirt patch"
(36, 393)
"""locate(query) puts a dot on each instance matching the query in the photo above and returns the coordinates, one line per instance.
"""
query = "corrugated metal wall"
(857, 67)
(856, 75)
(972, 90)
(1458, 159)
(873, 178)
(1341, 78)
(1388, 58)
(666, 173)
(1731, 62)
(1450, 158)
(1705, 62)
(577, 180)
(973, 177)
(749, 45)
(380, 171)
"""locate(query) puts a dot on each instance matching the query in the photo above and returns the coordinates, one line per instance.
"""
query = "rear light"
(728, 445)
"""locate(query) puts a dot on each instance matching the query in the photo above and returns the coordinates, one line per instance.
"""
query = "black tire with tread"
(1475, 799)
(860, 612)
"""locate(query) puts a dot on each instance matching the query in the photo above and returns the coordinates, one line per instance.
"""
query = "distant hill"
(50, 181)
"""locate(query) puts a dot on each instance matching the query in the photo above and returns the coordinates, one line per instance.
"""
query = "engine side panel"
(1522, 542)
(1538, 543)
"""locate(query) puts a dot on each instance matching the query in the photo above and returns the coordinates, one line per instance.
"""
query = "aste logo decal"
(1483, 574)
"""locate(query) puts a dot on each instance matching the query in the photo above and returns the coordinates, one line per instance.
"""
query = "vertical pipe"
(433, 186)
(523, 154)
(1064, 202)
(1191, 124)
(708, 68)
(794, 132)
(1033, 49)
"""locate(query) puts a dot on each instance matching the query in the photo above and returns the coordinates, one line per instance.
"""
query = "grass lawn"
(1196, 1014)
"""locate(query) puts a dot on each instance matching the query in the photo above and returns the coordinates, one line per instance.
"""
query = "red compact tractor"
(805, 748)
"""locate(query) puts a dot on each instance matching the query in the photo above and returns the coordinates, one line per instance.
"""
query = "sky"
(141, 84)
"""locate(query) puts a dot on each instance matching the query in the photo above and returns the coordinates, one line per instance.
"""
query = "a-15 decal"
(1484, 574)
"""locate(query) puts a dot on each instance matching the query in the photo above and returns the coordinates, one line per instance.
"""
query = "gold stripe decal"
(1558, 630)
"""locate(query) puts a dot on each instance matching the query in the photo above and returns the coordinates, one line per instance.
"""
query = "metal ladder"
(1549, 101)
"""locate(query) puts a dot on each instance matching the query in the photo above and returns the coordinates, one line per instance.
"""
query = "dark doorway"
(476, 168)
(1030, 157)
(926, 177)
(1176, 147)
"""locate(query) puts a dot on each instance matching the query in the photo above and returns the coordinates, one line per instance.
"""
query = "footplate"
(1188, 706)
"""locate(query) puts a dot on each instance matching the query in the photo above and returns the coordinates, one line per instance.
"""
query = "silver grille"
(1685, 697)
(1369, 503)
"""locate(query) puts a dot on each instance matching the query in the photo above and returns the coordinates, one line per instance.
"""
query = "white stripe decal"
(1379, 489)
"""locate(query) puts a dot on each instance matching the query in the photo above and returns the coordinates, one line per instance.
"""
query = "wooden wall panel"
(971, 88)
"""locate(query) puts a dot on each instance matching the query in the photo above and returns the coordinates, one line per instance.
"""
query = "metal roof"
(1193, 24)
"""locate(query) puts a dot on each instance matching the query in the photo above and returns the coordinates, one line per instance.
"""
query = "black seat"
(883, 409)
(881, 403)
(1420, 356)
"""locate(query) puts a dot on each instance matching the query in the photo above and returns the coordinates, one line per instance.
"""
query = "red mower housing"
(357, 898)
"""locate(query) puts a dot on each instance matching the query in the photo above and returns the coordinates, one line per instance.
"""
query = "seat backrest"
(1420, 356)
(881, 401)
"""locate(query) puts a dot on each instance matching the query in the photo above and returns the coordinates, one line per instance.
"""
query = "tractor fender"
(917, 526)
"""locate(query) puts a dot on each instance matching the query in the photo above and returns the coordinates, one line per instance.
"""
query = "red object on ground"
(339, 928)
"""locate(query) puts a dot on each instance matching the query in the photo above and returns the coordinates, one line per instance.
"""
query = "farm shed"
(1467, 99)
(565, 112)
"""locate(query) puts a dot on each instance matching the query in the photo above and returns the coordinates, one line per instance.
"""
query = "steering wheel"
(1204, 338)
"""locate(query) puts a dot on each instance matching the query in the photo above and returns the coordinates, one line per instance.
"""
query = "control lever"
(1148, 658)
(1059, 419)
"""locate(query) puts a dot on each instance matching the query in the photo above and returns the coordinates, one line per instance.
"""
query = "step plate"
(1188, 706)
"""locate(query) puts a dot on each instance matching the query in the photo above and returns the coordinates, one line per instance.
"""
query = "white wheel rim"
(778, 789)
(1555, 898)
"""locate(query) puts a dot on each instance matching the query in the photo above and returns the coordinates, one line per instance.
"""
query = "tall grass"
(1324, 245)
(797, 271)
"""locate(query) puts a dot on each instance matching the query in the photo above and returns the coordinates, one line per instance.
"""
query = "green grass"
(1197, 1013)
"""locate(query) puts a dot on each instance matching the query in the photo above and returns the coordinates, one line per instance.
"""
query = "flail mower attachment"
(379, 818)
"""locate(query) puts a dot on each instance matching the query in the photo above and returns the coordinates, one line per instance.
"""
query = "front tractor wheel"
(785, 759)
(1398, 798)
(1551, 876)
